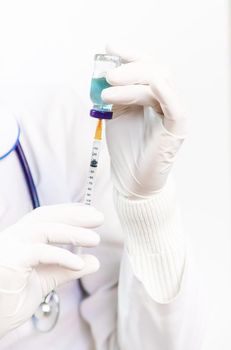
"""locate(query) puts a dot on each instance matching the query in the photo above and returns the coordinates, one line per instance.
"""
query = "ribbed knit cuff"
(154, 241)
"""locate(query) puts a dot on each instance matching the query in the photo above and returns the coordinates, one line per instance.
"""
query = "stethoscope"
(47, 314)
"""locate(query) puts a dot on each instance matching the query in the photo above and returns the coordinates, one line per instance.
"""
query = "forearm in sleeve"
(154, 241)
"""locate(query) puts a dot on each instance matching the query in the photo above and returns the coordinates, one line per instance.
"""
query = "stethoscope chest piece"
(47, 314)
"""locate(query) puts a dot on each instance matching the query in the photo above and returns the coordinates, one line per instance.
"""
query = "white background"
(53, 42)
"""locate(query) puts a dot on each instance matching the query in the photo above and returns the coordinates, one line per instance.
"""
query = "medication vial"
(102, 64)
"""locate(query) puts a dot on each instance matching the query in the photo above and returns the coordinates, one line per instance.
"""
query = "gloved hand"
(31, 265)
(148, 125)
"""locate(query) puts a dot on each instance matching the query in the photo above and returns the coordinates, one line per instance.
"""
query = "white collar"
(9, 132)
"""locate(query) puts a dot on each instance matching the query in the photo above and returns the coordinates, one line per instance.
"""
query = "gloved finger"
(159, 94)
(130, 73)
(53, 276)
(70, 214)
(127, 55)
(46, 254)
(141, 95)
(59, 234)
(175, 119)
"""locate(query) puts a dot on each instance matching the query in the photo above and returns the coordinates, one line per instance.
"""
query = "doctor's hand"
(31, 265)
(148, 125)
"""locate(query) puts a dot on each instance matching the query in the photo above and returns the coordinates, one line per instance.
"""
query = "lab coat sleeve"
(161, 301)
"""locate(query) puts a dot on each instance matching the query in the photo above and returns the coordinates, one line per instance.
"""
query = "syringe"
(93, 168)
(93, 163)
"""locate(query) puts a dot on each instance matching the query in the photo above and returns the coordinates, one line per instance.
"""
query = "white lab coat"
(56, 134)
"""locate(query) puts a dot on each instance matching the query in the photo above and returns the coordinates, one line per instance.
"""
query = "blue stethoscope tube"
(25, 168)
(28, 176)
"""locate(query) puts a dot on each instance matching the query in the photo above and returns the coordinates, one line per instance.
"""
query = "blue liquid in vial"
(97, 86)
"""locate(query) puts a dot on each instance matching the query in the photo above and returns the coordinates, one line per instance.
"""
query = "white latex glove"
(148, 125)
(31, 265)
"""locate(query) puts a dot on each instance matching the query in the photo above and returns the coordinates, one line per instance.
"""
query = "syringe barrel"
(92, 172)
(91, 177)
